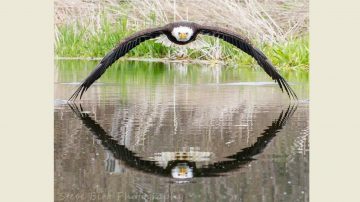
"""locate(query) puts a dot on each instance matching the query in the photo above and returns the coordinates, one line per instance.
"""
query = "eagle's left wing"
(120, 50)
(245, 45)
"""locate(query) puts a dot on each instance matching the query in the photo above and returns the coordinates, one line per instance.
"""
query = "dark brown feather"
(233, 38)
(245, 45)
(246, 155)
(120, 50)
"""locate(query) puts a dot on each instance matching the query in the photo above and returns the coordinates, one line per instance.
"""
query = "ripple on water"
(144, 118)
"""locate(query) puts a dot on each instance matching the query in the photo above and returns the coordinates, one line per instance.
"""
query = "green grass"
(77, 41)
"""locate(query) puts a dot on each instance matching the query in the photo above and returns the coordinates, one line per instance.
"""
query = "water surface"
(180, 132)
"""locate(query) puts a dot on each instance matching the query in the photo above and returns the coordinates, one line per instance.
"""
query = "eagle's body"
(182, 33)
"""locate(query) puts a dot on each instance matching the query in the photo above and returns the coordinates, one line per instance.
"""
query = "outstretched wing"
(245, 45)
(119, 151)
(246, 155)
(120, 50)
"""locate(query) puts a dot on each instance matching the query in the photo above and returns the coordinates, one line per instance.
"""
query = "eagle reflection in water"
(185, 168)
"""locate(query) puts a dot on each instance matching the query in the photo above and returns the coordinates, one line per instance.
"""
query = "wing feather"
(246, 155)
(245, 45)
(120, 50)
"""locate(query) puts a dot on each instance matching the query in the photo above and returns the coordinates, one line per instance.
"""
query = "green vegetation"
(77, 41)
(89, 29)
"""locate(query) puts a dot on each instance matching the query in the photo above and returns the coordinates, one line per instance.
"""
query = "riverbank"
(77, 42)
(90, 29)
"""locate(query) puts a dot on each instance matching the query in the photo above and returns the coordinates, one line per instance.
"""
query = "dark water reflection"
(176, 132)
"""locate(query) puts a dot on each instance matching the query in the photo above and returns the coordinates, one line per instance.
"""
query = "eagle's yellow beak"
(183, 35)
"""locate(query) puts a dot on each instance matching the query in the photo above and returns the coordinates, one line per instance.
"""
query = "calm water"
(180, 132)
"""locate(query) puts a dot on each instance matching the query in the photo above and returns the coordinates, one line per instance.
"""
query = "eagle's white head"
(182, 33)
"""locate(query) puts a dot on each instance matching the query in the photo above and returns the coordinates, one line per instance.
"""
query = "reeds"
(278, 27)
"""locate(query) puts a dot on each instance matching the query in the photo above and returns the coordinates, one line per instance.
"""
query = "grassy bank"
(77, 41)
(278, 28)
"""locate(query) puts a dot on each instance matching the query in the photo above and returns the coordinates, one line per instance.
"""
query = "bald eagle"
(184, 166)
(182, 33)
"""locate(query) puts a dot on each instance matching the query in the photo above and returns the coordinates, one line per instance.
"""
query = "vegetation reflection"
(183, 166)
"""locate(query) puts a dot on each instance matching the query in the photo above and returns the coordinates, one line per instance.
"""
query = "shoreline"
(169, 60)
